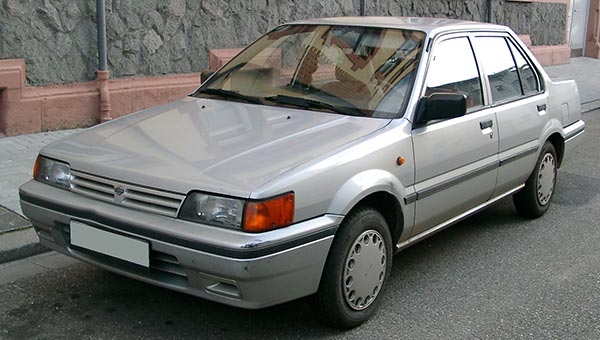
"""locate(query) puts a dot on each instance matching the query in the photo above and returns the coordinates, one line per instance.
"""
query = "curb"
(590, 106)
(18, 238)
(22, 252)
(19, 243)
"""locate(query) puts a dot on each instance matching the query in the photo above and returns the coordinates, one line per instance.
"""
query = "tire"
(535, 198)
(361, 258)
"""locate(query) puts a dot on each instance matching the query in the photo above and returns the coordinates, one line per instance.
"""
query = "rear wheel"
(536, 196)
(356, 271)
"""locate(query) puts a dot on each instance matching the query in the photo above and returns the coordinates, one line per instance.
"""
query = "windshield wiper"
(310, 103)
(230, 94)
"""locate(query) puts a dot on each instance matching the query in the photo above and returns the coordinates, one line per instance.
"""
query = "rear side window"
(497, 61)
(528, 77)
(508, 72)
(453, 69)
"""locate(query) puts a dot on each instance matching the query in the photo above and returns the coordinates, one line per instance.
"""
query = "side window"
(528, 78)
(453, 69)
(497, 61)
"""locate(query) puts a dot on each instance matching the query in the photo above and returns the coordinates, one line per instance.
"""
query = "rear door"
(519, 102)
(456, 160)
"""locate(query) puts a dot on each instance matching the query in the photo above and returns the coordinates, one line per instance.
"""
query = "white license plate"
(104, 242)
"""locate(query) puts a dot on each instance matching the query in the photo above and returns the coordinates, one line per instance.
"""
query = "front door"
(456, 160)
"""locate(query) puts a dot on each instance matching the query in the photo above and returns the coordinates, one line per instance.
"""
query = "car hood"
(210, 145)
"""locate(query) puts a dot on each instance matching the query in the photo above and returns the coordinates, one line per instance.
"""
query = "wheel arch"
(389, 207)
(553, 133)
(377, 189)
(558, 142)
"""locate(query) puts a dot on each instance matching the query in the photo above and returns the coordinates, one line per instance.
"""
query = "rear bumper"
(231, 267)
(573, 136)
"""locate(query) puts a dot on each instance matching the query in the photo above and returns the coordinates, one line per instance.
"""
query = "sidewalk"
(17, 155)
(586, 72)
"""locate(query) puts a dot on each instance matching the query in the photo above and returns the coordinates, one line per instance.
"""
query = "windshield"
(363, 71)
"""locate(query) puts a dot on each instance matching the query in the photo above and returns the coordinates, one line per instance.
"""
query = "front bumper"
(235, 268)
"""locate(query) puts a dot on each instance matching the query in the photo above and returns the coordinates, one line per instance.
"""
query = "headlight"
(251, 216)
(213, 210)
(52, 172)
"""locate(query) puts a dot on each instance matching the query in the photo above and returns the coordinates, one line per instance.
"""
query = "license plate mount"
(104, 242)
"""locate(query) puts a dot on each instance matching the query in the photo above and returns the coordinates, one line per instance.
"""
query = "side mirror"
(439, 105)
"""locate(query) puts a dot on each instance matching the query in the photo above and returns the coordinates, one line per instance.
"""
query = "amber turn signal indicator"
(35, 166)
(269, 214)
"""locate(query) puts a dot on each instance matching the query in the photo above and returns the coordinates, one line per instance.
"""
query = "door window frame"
(421, 88)
(507, 40)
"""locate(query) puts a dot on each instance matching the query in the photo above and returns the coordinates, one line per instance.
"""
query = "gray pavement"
(17, 155)
(585, 71)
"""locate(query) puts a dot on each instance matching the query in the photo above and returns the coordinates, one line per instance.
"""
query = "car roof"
(427, 25)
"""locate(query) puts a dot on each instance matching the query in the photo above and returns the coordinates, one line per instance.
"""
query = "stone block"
(220, 57)
(552, 55)
(152, 41)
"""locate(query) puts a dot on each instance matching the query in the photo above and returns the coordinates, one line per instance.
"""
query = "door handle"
(541, 107)
(486, 124)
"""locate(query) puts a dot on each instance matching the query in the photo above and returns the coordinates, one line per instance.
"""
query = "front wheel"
(356, 271)
(536, 196)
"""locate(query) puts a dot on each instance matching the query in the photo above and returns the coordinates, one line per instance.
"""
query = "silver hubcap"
(545, 180)
(365, 270)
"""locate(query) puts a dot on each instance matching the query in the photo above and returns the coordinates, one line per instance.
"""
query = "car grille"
(125, 194)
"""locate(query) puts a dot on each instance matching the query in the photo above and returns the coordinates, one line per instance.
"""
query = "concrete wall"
(57, 38)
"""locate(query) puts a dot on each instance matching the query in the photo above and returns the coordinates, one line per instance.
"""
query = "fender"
(552, 127)
(366, 183)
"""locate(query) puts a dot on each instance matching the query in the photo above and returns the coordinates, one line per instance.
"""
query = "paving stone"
(17, 155)
(11, 221)
(42, 263)
(53, 260)
(19, 244)
(14, 271)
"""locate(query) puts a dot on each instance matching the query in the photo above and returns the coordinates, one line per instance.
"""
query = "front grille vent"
(166, 263)
(125, 194)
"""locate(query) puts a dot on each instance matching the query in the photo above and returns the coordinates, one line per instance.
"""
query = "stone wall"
(153, 37)
(57, 38)
(544, 22)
